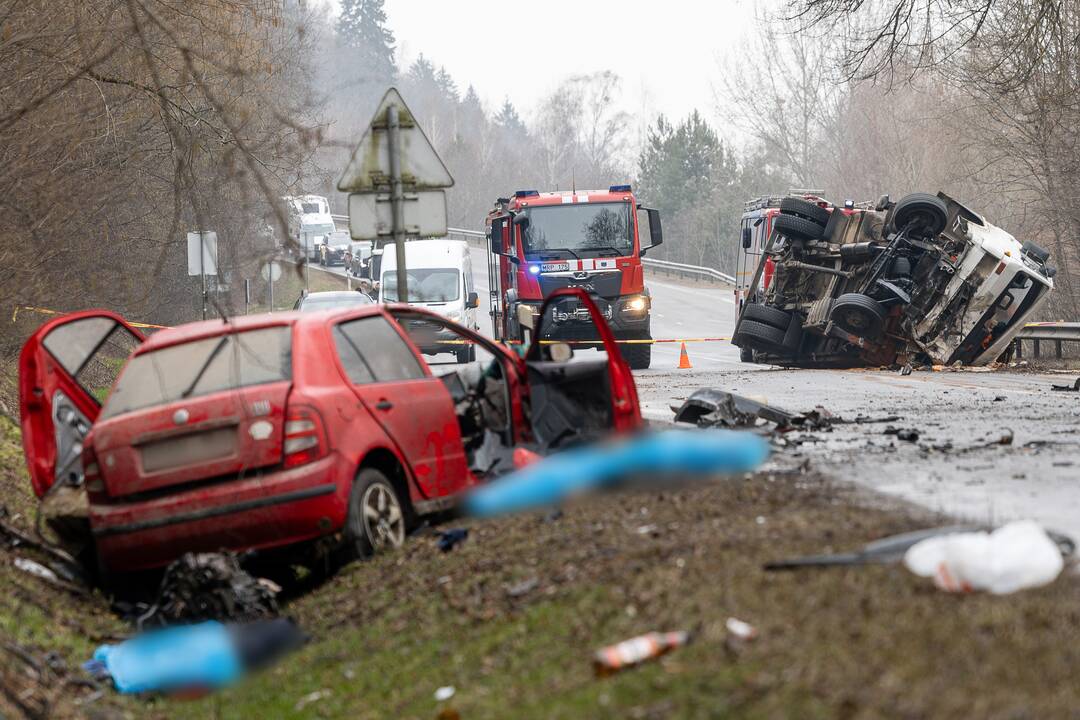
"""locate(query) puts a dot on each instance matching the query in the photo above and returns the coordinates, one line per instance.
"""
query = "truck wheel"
(858, 314)
(797, 228)
(760, 336)
(376, 518)
(746, 354)
(637, 355)
(1036, 251)
(805, 209)
(466, 354)
(765, 314)
(926, 214)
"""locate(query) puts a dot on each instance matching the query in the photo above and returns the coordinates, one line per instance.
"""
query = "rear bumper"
(260, 511)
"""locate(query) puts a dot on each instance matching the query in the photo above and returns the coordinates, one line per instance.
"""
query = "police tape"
(47, 311)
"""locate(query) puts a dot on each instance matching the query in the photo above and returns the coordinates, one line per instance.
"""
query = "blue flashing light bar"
(526, 193)
(619, 188)
(534, 269)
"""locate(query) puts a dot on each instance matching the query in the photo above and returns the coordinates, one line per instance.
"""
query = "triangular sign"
(369, 167)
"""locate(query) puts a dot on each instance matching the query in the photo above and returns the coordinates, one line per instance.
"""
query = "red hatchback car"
(271, 430)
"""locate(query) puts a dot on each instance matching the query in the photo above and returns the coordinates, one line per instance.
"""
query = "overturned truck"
(923, 280)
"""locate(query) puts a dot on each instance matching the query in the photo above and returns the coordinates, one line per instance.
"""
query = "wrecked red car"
(274, 430)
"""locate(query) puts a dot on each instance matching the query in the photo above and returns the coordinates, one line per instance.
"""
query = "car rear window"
(201, 367)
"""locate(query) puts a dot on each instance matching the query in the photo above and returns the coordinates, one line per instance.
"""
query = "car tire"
(805, 209)
(637, 355)
(773, 317)
(797, 228)
(859, 315)
(376, 519)
(925, 213)
(759, 336)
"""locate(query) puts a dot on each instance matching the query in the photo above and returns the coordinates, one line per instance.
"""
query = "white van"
(440, 279)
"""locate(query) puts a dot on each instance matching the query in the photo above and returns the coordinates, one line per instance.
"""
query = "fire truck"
(593, 240)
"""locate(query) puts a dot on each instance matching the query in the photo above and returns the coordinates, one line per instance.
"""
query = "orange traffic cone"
(684, 359)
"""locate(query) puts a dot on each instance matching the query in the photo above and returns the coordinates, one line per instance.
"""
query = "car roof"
(189, 332)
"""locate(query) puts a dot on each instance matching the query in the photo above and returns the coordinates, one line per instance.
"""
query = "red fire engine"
(593, 240)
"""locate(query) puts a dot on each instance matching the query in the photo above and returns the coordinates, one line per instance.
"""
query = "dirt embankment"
(511, 618)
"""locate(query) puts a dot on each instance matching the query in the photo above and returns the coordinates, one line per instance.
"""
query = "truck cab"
(593, 240)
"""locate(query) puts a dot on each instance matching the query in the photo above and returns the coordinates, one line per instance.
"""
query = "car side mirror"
(650, 219)
(495, 235)
(473, 301)
(747, 238)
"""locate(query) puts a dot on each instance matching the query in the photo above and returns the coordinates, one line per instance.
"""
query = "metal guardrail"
(477, 237)
(1055, 332)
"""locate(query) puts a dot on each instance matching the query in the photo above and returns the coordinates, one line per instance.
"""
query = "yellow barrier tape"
(47, 311)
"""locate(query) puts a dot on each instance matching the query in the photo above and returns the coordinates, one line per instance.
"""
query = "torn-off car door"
(66, 369)
(578, 398)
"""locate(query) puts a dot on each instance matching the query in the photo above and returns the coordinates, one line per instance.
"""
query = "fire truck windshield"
(579, 230)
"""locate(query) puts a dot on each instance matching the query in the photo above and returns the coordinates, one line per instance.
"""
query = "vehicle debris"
(893, 548)
(905, 434)
(312, 697)
(1075, 387)
(184, 658)
(648, 457)
(47, 575)
(523, 588)
(628, 653)
(449, 539)
(210, 586)
(923, 280)
(1016, 556)
(740, 630)
(711, 407)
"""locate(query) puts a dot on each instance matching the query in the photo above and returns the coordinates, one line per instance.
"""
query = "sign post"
(202, 254)
(394, 167)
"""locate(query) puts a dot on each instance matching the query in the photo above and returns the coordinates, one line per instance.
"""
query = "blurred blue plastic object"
(175, 658)
(680, 453)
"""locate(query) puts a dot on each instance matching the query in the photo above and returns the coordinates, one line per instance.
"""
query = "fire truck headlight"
(637, 305)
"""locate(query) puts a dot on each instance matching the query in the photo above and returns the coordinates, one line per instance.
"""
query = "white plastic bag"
(1016, 556)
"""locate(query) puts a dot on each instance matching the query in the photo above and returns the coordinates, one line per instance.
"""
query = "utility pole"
(397, 200)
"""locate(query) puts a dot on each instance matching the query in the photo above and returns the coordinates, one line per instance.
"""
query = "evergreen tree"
(361, 28)
(508, 120)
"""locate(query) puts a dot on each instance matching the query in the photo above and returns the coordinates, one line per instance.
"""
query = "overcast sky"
(664, 50)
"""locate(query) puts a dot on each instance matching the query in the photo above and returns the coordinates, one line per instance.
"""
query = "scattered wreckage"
(322, 431)
(924, 280)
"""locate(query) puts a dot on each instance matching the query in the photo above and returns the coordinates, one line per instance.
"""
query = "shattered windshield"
(425, 285)
(201, 367)
(582, 229)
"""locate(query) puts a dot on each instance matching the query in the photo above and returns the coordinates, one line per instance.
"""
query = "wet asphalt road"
(955, 466)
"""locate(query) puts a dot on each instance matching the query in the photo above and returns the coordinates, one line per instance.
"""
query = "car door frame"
(39, 368)
(626, 409)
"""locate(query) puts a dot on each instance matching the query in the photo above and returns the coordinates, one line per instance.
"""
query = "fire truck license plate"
(554, 267)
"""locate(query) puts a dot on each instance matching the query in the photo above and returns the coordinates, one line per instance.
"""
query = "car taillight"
(91, 472)
(305, 439)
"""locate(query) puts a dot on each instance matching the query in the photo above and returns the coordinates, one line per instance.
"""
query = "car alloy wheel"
(384, 522)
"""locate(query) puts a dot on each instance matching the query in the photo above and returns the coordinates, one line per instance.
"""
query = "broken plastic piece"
(637, 650)
(740, 630)
(1014, 557)
(708, 407)
(449, 539)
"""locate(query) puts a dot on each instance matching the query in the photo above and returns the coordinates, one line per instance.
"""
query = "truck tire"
(797, 228)
(926, 214)
(746, 354)
(805, 209)
(466, 354)
(637, 355)
(859, 315)
(376, 517)
(767, 315)
(759, 336)
(1036, 251)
